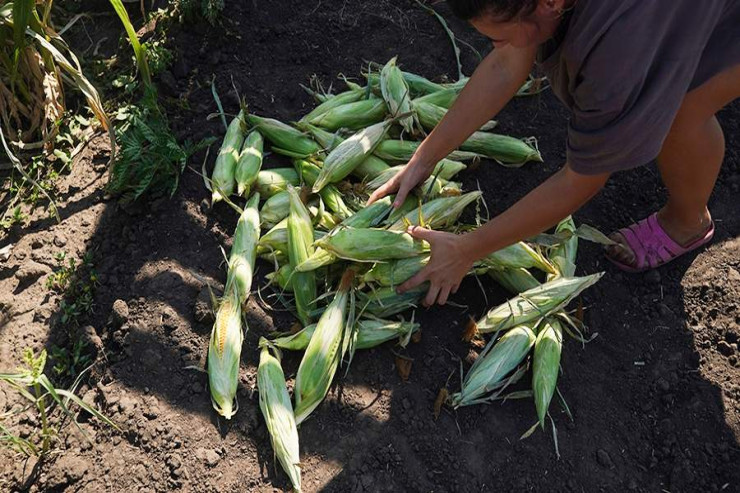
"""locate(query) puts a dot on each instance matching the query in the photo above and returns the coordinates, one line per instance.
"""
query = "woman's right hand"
(414, 173)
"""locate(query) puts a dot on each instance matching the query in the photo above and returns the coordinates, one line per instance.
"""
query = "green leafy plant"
(76, 285)
(68, 363)
(192, 9)
(53, 406)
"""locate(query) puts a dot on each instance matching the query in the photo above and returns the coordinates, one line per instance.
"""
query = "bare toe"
(621, 251)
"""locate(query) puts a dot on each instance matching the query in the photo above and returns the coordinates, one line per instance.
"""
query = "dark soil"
(655, 397)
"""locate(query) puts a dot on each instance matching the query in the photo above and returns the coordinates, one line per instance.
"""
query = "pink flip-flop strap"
(650, 243)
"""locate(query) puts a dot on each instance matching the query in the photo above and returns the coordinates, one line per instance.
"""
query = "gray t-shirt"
(623, 67)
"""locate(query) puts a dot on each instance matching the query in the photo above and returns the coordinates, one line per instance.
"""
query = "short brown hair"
(506, 9)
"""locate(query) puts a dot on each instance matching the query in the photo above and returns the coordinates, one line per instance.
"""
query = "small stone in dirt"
(209, 456)
(733, 276)
(60, 241)
(603, 457)
(169, 318)
(29, 273)
(119, 314)
(174, 461)
(726, 349)
(652, 277)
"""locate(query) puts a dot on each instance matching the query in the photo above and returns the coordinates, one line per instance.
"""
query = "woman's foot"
(657, 240)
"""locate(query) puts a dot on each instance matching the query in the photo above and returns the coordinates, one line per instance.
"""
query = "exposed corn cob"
(535, 303)
(498, 359)
(386, 302)
(438, 213)
(515, 256)
(402, 150)
(284, 138)
(335, 101)
(546, 365)
(224, 351)
(353, 116)
(416, 83)
(395, 272)
(444, 98)
(278, 413)
(272, 181)
(515, 280)
(283, 277)
(396, 94)
(369, 168)
(323, 354)
(349, 154)
(372, 245)
(506, 150)
(244, 251)
(563, 256)
(430, 115)
(275, 209)
(300, 247)
(249, 164)
(329, 193)
(228, 155)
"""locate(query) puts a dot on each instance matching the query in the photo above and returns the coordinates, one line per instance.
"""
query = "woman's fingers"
(387, 189)
(431, 294)
(416, 280)
(444, 293)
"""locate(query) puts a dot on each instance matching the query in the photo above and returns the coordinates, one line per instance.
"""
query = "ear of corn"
(409, 204)
(416, 83)
(518, 255)
(319, 258)
(349, 154)
(386, 302)
(444, 98)
(515, 280)
(346, 97)
(300, 247)
(327, 140)
(370, 215)
(329, 193)
(278, 413)
(284, 138)
(563, 255)
(224, 352)
(270, 182)
(429, 115)
(369, 168)
(249, 164)
(275, 209)
(443, 171)
(374, 332)
(535, 303)
(323, 218)
(504, 149)
(295, 342)
(352, 116)
(277, 237)
(437, 213)
(228, 155)
(323, 354)
(498, 359)
(283, 277)
(546, 365)
(244, 250)
(446, 169)
(395, 272)
(372, 245)
(402, 150)
(396, 94)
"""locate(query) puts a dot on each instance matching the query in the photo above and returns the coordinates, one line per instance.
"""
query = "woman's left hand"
(447, 266)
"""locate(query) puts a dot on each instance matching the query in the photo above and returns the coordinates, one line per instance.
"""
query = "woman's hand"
(447, 267)
(414, 173)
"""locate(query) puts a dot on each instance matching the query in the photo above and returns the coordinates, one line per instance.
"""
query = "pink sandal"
(653, 247)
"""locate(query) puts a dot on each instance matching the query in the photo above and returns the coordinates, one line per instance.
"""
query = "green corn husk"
(546, 365)
(372, 245)
(535, 303)
(503, 149)
(323, 354)
(285, 139)
(275, 209)
(563, 255)
(443, 99)
(352, 116)
(515, 256)
(446, 169)
(274, 257)
(349, 154)
(319, 258)
(327, 140)
(395, 272)
(386, 302)
(443, 171)
(270, 182)
(277, 237)
(323, 218)
(416, 83)
(346, 97)
(409, 204)
(515, 280)
(224, 352)
(331, 196)
(488, 373)
(402, 151)
(439, 213)
(249, 164)
(294, 342)
(283, 277)
(228, 155)
(244, 250)
(429, 116)
(300, 247)
(370, 168)
(396, 94)
(278, 413)
(431, 187)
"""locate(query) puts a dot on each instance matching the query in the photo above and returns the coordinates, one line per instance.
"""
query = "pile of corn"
(337, 263)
